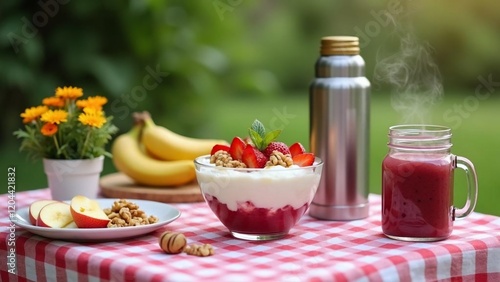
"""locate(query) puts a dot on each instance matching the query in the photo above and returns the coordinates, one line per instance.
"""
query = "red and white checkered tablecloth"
(314, 251)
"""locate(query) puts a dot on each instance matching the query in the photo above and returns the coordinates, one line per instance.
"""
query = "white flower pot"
(68, 178)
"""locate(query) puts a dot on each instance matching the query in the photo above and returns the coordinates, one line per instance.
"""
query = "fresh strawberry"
(297, 149)
(248, 140)
(253, 158)
(276, 146)
(304, 159)
(236, 148)
(219, 147)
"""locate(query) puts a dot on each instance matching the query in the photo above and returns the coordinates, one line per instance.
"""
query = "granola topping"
(278, 158)
(125, 213)
(224, 159)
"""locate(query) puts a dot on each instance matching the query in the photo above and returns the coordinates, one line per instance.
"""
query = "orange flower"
(82, 103)
(33, 113)
(69, 92)
(95, 102)
(55, 116)
(53, 101)
(49, 129)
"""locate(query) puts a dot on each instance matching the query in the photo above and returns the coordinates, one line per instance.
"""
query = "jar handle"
(466, 165)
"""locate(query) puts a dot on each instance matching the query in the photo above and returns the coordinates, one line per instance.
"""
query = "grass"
(475, 136)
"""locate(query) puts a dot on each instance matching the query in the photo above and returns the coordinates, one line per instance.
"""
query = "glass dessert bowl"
(256, 203)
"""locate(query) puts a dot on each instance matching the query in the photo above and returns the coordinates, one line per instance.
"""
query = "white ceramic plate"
(165, 213)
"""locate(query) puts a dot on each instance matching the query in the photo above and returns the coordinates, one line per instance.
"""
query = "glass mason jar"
(417, 184)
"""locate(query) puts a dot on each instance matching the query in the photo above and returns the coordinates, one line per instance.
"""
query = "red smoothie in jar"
(417, 195)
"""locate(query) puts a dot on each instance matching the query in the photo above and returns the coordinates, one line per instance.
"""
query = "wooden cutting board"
(118, 185)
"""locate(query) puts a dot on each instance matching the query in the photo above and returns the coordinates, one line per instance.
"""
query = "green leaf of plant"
(256, 138)
(21, 134)
(258, 127)
(271, 136)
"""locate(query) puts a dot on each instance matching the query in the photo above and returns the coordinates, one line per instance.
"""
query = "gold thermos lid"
(339, 45)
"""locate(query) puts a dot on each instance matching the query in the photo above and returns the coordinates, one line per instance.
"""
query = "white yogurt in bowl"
(237, 192)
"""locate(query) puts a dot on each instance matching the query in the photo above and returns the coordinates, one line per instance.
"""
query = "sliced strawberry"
(218, 147)
(236, 148)
(276, 146)
(305, 159)
(253, 158)
(297, 149)
(248, 140)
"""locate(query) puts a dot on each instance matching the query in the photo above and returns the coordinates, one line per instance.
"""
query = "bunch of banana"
(170, 146)
(152, 155)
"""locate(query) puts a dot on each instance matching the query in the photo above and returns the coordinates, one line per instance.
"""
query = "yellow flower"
(69, 92)
(33, 113)
(93, 111)
(49, 129)
(53, 101)
(92, 117)
(55, 116)
(95, 102)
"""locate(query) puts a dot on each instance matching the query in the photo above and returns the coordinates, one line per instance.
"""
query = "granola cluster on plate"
(126, 213)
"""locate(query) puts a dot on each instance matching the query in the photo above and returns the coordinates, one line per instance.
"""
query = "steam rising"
(412, 75)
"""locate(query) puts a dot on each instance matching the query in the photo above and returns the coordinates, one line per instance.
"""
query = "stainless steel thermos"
(339, 101)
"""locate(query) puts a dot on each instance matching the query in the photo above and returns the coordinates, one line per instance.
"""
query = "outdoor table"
(314, 250)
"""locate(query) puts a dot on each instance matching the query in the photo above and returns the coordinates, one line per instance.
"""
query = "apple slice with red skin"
(87, 213)
(54, 215)
(35, 208)
(71, 225)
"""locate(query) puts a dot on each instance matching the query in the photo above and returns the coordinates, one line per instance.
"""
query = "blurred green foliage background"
(216, 65)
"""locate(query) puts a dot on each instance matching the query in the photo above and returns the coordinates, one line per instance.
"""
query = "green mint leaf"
(271, 136)
(258, 127)
(257, 140)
